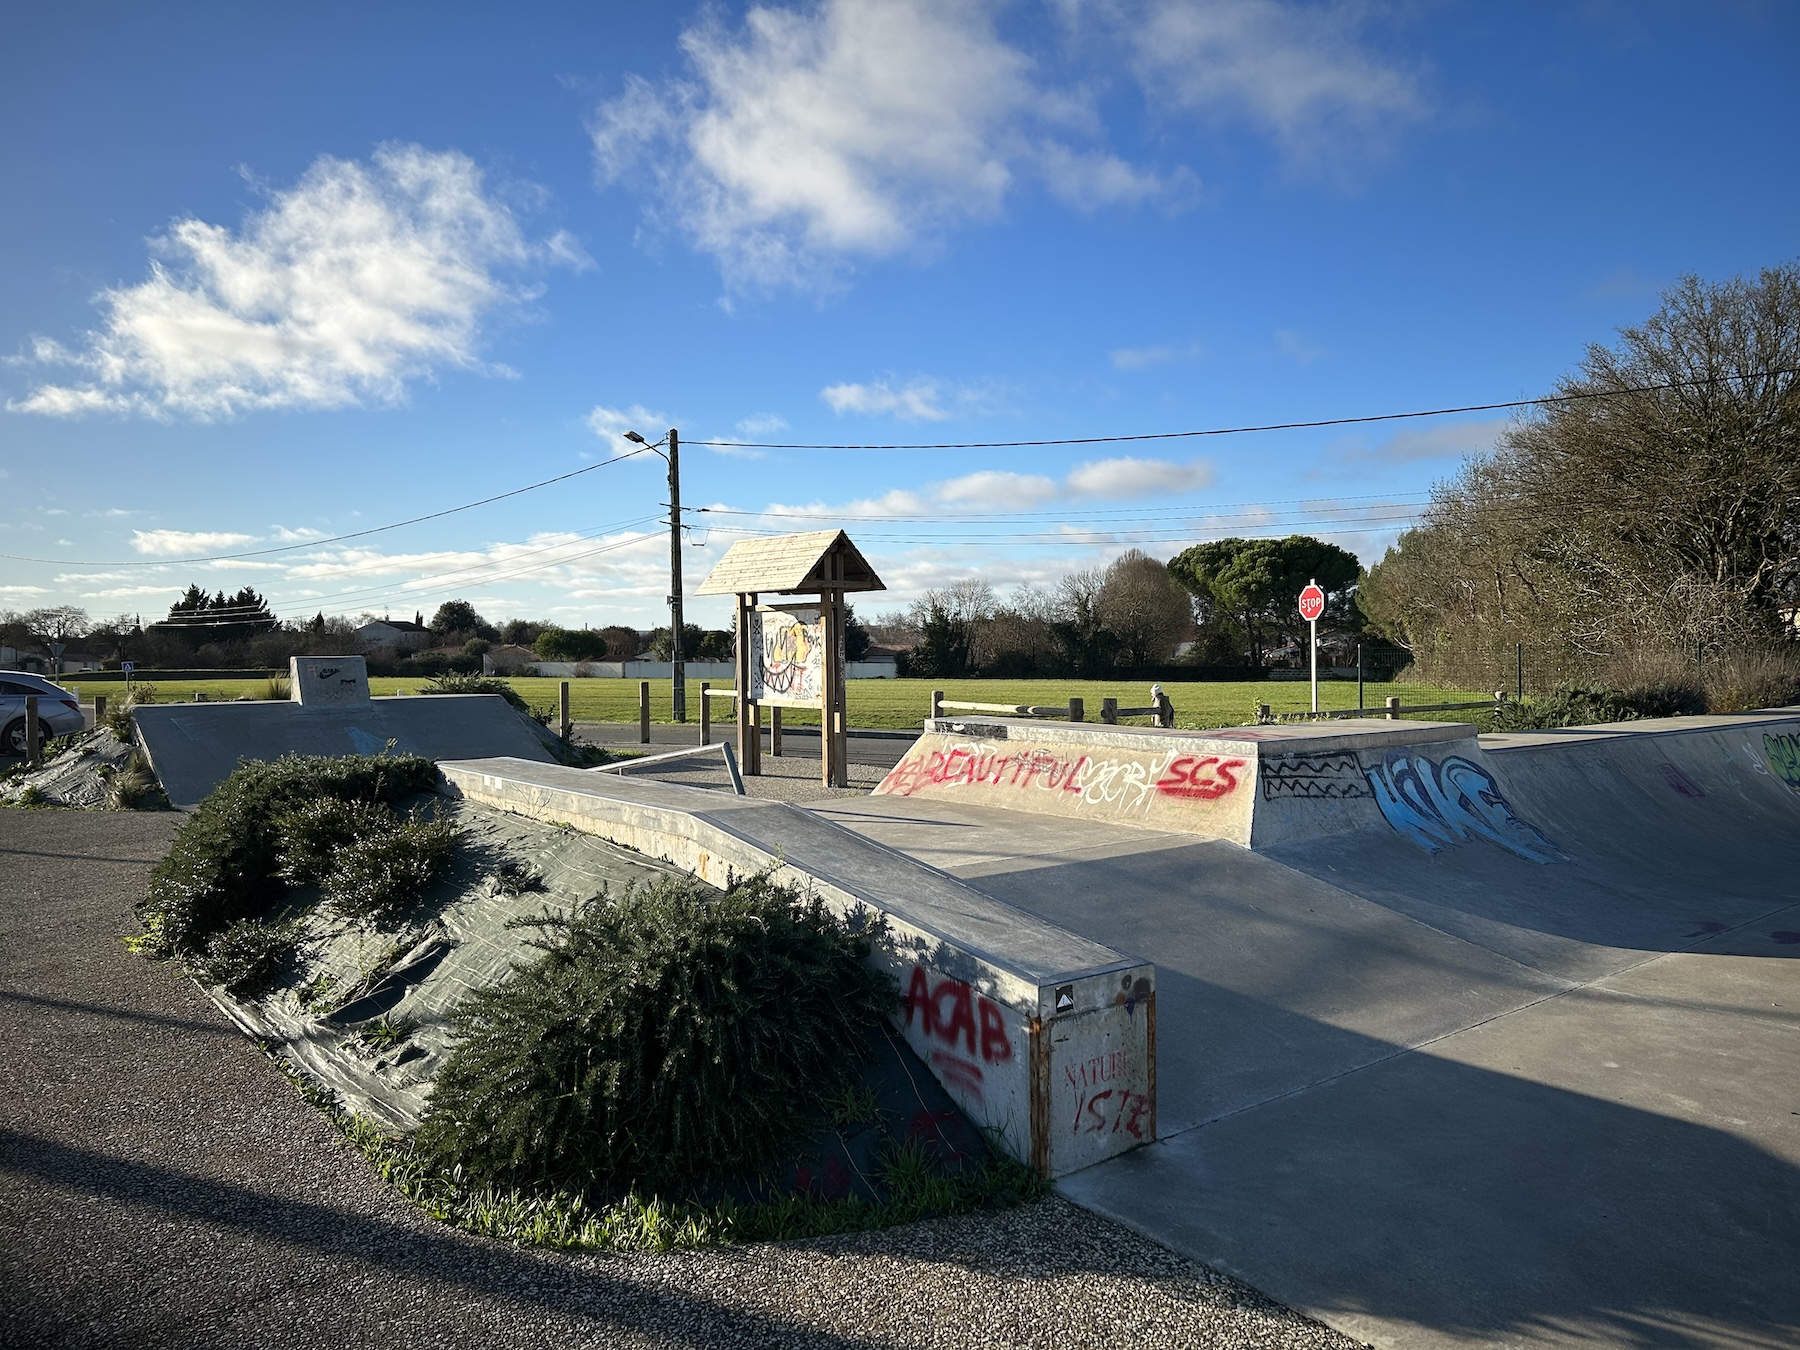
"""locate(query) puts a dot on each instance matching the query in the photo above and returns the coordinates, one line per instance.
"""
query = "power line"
(1545, 401)
(336, 538)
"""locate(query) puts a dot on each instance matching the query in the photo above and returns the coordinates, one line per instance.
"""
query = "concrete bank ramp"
(1044, 1037)
(192, 747)
(1486, 1041)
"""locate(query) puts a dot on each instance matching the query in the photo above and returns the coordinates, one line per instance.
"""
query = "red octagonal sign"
(1312, 602)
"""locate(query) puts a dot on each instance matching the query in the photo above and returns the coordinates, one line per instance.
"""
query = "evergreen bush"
(676, 1036)
(223, 865)
(380, 871)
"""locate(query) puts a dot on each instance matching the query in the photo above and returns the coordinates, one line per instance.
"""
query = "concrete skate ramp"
(194, 746)
(1508, 1052)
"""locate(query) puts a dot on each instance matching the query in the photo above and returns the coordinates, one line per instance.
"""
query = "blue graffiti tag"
(1434, 804)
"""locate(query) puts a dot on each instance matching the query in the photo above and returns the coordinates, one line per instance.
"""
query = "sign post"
(1312, 605)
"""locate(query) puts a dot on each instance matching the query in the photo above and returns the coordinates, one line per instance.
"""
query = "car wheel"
(12, 740)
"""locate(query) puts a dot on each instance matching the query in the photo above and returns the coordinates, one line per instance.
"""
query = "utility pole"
(678, 668)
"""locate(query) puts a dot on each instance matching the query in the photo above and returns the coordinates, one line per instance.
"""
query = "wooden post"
(749, 712)
(562, 708)
(832, 744)
(1109, 711)
(1263, 714)
(644, 712)
(705, 712)
(775, 730)
(99, 709)
(34, 740)
(1393, 708)
(937, 703)
(1077, 710)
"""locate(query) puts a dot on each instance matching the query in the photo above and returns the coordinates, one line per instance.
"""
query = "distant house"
(507, 659)
(400, 636)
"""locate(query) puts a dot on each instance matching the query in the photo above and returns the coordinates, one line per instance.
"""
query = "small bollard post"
(1393, 707)
(644, 712)
(34, 734)
(562, 705)
(99, 709)
(1263, 714)
(1109, 711)
(937, 704)
(775, 730)
(1077, 710)
(706, 712)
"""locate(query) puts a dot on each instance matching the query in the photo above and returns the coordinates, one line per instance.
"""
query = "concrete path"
(161, 1184)
(1447, 1100)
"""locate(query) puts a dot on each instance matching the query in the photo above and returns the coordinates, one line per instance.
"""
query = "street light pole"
(677, 667)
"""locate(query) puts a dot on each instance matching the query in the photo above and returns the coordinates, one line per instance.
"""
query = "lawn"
(901, 704)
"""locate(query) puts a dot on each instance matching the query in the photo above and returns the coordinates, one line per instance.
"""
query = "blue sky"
(272, 275)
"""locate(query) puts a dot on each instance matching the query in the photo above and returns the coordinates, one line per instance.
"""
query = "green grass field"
(901, 704)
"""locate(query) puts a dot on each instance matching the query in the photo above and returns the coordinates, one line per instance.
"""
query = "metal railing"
(686, 752)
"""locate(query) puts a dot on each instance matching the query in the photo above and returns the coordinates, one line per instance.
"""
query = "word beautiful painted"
(1129, 783)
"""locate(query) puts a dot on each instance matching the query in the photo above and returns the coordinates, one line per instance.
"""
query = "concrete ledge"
(1044, 1037)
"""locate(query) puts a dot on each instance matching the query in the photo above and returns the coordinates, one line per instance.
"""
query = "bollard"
(1263, 714)
(1077, 710)
(706, 712)
(937, 703)
(562, 707)
(644, 712)
(1109, 711)
(99, 709)
(775, 730)
(1393, 708)
(34, 733)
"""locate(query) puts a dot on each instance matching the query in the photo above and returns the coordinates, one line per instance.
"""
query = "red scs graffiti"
(963, 1029)
(1202, 778)
(1103, 1102)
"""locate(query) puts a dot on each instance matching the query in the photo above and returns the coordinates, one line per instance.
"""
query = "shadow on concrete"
(123, 1014)
(510, 1274)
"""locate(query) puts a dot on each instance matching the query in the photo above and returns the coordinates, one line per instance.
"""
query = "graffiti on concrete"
(1436, 803)
(1333, 775)
(1678, 780)
(961, 1029)
(1783, 755)
(1104, 1104)
(1119, 784)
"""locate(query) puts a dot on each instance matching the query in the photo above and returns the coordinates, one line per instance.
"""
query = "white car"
(58, 712)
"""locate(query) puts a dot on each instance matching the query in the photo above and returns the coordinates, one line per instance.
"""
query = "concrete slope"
(194, 746)
(1437, 1085)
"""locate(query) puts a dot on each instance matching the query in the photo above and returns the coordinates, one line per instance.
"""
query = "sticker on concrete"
(1065, 998)
(1436, 803)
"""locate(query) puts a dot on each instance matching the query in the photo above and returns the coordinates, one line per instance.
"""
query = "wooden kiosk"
(792, 654)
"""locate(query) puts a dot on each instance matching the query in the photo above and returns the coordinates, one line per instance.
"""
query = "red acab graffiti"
(962, 1028)
(1199, 777)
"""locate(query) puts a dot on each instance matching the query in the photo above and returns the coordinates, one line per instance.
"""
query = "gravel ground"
(161, 1184)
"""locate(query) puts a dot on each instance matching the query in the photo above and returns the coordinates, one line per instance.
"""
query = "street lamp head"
(634, 437)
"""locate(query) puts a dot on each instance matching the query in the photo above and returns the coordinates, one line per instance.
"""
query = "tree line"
(1654, 506)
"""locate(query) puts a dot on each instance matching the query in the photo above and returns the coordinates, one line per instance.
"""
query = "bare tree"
(1143, 607)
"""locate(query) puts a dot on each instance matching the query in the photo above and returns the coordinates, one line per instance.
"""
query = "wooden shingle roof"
(786, 564)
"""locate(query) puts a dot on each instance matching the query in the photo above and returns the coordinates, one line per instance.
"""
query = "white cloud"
(850, 129)
(1296, 348)
(611, 424)
(1127, 478)
(762, 424)
(23, 591)
(918, 401)
(174, 543)
(299, 534)
(357, 281)
(1441, 440)
(1300, 73)
(1142, 358)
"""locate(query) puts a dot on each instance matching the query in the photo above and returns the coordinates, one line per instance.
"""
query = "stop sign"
(1312, 602)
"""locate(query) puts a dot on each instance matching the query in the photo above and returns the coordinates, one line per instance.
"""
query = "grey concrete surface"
(194, 746)
(162, 1185)
(1451, 1099)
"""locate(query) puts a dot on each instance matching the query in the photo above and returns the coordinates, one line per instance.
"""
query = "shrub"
(222, 865)
(380, 872)
(1567, 705)
(1743, 680)
(118, 711)
(134, 787)
(313, 832)
(278, 688)
(477, 684)
(247, 955)
(676, 1036)
(1658, 684)
(569, 644)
